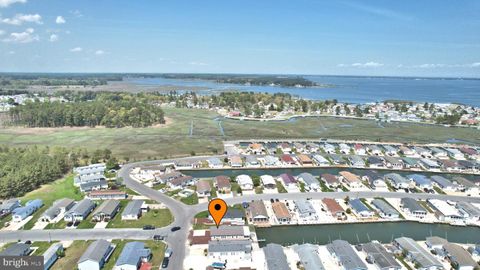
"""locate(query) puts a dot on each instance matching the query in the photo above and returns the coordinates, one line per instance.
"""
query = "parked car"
(165, 262)
(149, 227)
(176, 228)
(158, 237)
(168, 253)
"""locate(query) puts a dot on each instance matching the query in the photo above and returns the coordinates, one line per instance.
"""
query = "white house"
(245, 182)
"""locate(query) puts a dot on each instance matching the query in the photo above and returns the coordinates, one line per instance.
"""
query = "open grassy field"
(199, 131)
(72, 254)
(155, 217)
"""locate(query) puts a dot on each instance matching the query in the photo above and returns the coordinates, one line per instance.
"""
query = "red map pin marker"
(217, 208)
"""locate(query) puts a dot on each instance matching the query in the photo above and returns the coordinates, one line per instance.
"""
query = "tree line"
(106, 109)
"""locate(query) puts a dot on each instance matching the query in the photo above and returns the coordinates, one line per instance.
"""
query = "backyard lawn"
(156, 217)
(72, 254)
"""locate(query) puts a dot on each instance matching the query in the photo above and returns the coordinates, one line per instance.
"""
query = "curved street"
(183, 214)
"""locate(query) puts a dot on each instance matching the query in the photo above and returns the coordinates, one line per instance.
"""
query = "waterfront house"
(344, 148)
(413, 208)
(233, 216)
(133, 210)
(359, 149)
(16, 249)
(287, 160)
(385, 210)
(330, 180)
(226, 232)
(288, 181)
(374, 179)
(215, 163)
(337, 159)
(257, 213)
(356, 161)
(252, 161)
(281, 212)
(230, 250)
(351, 180)
(256, 148)
(305, 209)
(443, 183)
(235, 161)
(285, 148)
(245, 182)
(275, 258)
(397, 181)
(21, 213)
(444, 211)
(375, 162)
(107, 195)
(203, 188)
(390, 150)
(406, 151)
(466, 185)
(106, 211)
(312, 147)
(418, 255)
(79, 211)
(270, 161)
(421, 181)
(132, 256)
(320, 160)
(222, 183)
(360, 209)
(308, 255)
(58, 208)
(459, 257)
(429, 164)
(411, 163)
(311, 183)
(439, 153)
(167, 177)
(50, 256)
(469, 152)
(345, 256)
(378, 255)
(470, 213)
(393, 163)
(374, 149)
(334, 208)
(435, 243)
(455, 153)
(186, 165)
(467, 165)
(304, 160)
(449, 165)
(96, 255)
(181, 182)
(268, 181)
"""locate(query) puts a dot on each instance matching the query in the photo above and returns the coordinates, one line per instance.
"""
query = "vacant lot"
(155, 217)
(199, 131)
(72, 254)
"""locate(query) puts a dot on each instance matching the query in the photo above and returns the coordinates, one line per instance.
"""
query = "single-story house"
(245, 182)
(106, 211)
(59, 207)
(133, 210)
(21, 213)
(268, 181)
(132, 256)
(96, 255)
(203, 188)
(79, 211)
(222, 183)
(257, 212)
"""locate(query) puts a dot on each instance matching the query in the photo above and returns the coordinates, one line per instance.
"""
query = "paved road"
(183, 214)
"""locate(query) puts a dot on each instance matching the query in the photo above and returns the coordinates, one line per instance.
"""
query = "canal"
(364, 232)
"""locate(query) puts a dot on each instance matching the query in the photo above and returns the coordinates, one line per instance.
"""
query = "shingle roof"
(275, 257)
(382, 258)
(418, 254)
(132, 253)
(346, 255)
(96, 251)
(309, 258)
(230, 246)
(17, 249)
(132, 208)
(108, 207)
(308, 178)
(384, 207)
(82, 206)
(412, 205)
(459, 255)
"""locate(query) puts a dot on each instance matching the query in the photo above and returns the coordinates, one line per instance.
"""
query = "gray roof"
(230, 246)
(133, 207)
(82, 207)
(412, 205)
(435, 241)
(132, 253)
(215, 161)
(251, 159)
(275, 257)
(97, 251)
(380, 256)
(469, 208)
(385, 207)
(107, 207)
(17, 249)
(459, 255)
(308, 178)
(396, 178)
(257, 208)
(234, 213)
(304, 207)
(346, 255)
(90, 185)
(93, 168)
(51, 251)
(417, 253)
(9, 204)
(227, 231)
(359, 206)
(463, 181)
(54, 210)
(309, 258)
(442, 181)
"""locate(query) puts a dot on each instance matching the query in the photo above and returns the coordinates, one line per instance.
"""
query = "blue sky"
(350, 37)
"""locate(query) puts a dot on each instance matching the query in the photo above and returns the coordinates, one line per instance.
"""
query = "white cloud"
(60, 20)
(2, 32)
(362, 65)
(198, 64)
(476, 64)
(6, 3)
(76, 49)
(53, 37)
(99, 52)
(76, 13)
(19, 19)
(23, 37)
